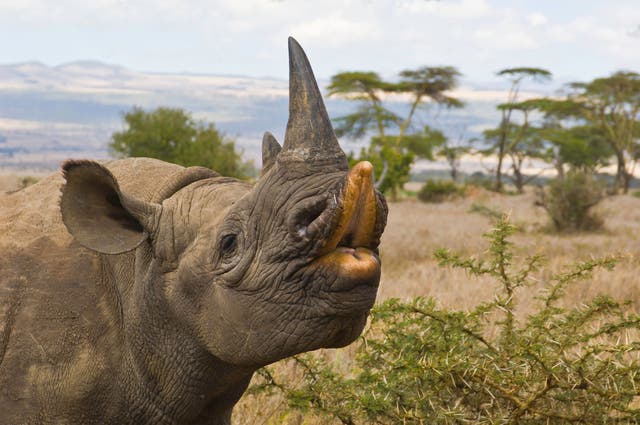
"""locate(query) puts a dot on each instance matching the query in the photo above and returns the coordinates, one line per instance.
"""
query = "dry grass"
(10, 181)
(415, 230)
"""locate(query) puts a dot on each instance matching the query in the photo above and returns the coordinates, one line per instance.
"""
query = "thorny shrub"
(440, 191)
(569, 201)
(421, 364)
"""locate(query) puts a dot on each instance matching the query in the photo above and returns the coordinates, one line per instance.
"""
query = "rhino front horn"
(309, 136)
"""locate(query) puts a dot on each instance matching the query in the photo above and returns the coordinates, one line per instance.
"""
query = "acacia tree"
(517, 140)
(393, 145)
(612, 104)
(501, 136)
(575, 142)
(365, 88)
(452, 153)
(171, 134)
(426, 83)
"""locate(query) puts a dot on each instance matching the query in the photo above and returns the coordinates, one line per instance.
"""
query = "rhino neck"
(163, 372)
(183, 387)
(167, 373)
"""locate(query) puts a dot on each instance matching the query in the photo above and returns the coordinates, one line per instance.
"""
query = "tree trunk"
(557, 161)
(623, 179)
(499, 167)
(626, 181)
(560, 170)
(518, 179)
(385, 167)
(453, 164)
(454, 173)
(394, 194)
(501, 145)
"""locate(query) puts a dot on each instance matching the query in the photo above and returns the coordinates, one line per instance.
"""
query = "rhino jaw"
(351, 249)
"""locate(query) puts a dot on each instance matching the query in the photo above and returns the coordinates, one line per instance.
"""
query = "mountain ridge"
(49, 113)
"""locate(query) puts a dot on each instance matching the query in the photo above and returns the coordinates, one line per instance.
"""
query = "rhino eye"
(228, 244)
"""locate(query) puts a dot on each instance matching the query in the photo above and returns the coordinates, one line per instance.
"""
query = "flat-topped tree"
(575, 142)
(613, 105)
(394, 142)
(519, 140)
(501, 135)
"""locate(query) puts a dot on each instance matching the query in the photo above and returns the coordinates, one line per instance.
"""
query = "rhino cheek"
(225, 323)
(229, 319)
(349, 331)
(244, 329)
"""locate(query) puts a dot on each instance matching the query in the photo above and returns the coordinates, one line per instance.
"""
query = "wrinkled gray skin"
(150, 293)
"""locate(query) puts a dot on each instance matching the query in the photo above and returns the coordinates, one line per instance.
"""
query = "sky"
(574, 39)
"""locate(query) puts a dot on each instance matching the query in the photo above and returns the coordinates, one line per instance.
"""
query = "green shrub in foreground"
(421, 364)
(439, 191)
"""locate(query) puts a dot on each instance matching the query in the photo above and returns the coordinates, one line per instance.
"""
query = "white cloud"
(537, 19)
(103, 11)
(463, 9)
(505, 39)
(334, 30)
(384, 35)
(573, 30)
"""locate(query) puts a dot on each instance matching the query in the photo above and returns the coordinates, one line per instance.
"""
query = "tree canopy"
(172, 135)
(394, 143)
(514, 138)
(612, 104)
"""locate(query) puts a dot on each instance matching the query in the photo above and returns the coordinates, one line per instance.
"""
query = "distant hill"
(49, 113)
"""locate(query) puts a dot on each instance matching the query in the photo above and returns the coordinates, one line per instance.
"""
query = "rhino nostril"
(313, 213)
(306, 213)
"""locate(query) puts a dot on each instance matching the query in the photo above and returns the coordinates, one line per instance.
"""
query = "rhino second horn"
(270, 150)
(309, 135)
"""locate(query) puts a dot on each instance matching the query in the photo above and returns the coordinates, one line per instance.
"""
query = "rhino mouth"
(353, 224)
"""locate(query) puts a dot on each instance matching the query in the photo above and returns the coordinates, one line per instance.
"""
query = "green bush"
(27, 181)
(421, 364)
(486, 211)
(439, 191)
(482, 180)
(569, 202)
(171, 134)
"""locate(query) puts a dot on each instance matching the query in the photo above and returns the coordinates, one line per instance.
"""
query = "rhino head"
(252, 274)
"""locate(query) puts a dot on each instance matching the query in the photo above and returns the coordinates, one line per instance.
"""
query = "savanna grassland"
(10, 181)
(415, 230)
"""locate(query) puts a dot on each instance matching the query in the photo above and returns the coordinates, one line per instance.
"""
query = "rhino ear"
(99, 215)
(270, 150)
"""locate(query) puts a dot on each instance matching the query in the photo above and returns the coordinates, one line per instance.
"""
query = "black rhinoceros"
(149, 293)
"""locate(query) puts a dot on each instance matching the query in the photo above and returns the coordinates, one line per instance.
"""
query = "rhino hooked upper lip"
(353, 221)
(355, 224)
